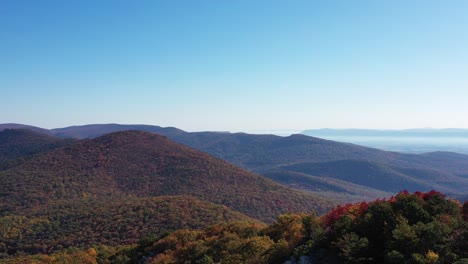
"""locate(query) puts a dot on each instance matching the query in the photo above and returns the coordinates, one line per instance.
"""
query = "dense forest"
(114, 189)
(138, 197)
(407, 228)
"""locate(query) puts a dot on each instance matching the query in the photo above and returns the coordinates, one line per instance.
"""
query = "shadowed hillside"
(21, 126)
(359, 172)
(342, 191)
(16, 145)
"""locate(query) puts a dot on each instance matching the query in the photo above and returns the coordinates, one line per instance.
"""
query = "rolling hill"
(102, 221)
(143, 164)
(21, 126)
(381, 177)
(342, 191)
(115, 188)
(267, 154)
(92, 131)
(16, 145)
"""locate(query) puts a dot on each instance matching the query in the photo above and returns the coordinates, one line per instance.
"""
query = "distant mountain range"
(407, 141)
(340, 171)
(420, 132)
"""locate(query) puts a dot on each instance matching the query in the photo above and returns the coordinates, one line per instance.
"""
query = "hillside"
(21, 126)
(376, 177)
(381, 177)
(390, 171)
(144, 164)
(340, 190)
(112, 189)
(16, 145)
(407, 228)
(260, 153)
(267, 154)
(112, 222)
(92, 131)
(410, 228)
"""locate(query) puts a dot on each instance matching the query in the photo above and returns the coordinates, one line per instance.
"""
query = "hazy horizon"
(278, 131)
(235, 65)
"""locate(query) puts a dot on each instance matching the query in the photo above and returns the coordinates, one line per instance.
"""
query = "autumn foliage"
(420, 227)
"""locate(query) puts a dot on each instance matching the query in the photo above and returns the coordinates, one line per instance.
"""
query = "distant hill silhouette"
(92, 131)
(381, 177)
(16, 145)
(340, 190)
(107, 221)
(21, 126)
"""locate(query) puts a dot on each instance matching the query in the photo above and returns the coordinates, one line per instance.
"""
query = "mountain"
(145, 164)
(409, 228)
(330, 187)
(21, 126)
(114, 188)
(16, 145)
(381, 177)
(92, 131)
(269, 155)
(261, 153)
(390, 171)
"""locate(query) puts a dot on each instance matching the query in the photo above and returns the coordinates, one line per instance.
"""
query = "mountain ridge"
(264, 154)
(146, 164)
(115, 188)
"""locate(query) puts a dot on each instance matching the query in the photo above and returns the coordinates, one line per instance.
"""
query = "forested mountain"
(340, 190)
(145, 164)
(315, 157)
(382, 177)
(109, 221)
(114, 188)
(418, 228)
(17, 145)
(408, 228)
(21, 126)
(92, 131)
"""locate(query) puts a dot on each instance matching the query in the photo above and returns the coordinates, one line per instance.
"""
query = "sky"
(235, 65)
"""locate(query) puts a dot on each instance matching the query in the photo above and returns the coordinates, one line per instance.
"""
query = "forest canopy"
(407, 228)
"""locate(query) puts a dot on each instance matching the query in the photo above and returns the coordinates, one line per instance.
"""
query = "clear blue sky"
(235, 65)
